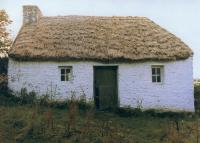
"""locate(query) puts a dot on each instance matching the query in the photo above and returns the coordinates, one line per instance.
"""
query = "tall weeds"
(80, 122)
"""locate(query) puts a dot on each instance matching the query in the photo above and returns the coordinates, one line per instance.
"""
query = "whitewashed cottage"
(115, 61)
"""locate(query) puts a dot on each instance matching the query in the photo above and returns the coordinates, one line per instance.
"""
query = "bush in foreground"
(197, 97)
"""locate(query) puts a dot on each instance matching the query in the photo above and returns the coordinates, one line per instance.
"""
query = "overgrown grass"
(26, 119)
(34, 124)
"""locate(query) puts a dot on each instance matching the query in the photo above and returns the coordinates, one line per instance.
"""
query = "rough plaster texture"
(135, 87)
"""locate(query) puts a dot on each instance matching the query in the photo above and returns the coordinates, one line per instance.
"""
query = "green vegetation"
(26, 119)
(29, 124)
(197, 97)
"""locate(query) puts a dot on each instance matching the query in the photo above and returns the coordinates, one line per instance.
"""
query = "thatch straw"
(97, 39)
(3, 53)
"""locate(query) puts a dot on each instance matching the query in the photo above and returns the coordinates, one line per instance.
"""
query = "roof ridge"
(96, 16)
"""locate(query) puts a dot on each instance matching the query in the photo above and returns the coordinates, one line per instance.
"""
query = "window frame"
(158, 74)
(67, 75)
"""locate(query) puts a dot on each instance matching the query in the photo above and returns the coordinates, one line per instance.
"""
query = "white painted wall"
(175, 93)
(134, 82)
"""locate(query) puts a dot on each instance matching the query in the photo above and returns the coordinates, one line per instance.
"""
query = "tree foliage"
(5, 40)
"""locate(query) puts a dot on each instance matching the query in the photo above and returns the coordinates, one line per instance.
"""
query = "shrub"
(3, 84)
(44, 100)
(137, 112)
(7, 98)
(150, 112)
(82, 102)
(197, 97)
(174, 115)
(59, 104)
(27, 98)
(128, 111)
(3, 65)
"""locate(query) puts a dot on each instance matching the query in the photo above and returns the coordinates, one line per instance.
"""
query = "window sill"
(157, 83)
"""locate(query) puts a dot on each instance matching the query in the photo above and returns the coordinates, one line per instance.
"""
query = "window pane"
(70, 76)
(62, 71)
(153, 78)
(158, 79)
(158, 71)
(68, 70)
(153, 71)
(62, 78)
(66, 77)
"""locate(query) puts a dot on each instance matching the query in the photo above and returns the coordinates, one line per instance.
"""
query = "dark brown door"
(105, 85)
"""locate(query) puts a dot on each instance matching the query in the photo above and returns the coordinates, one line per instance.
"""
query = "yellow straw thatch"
(97, 39)
(3, 53)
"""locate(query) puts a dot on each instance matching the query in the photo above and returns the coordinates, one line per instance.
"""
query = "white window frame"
(66, 75)
(158, 74)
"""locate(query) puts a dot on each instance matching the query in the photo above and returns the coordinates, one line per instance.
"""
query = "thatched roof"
(96, 38)
(3, 53)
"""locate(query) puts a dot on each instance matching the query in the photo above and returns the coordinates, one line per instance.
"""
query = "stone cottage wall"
(135, 87)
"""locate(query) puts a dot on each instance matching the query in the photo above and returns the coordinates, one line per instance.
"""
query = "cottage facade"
(115, 61)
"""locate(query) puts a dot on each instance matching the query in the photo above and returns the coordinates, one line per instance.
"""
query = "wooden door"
(105, 85)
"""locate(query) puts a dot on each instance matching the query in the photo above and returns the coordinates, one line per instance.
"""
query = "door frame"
(104, 66)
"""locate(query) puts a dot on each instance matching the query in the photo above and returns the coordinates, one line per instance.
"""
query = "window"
(66, 73)
(157, 74)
